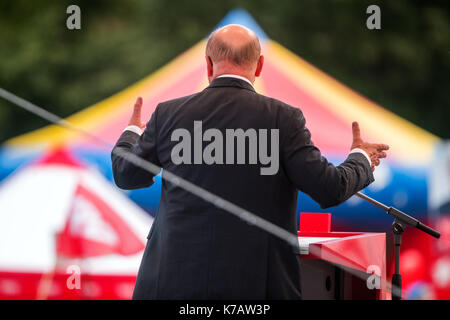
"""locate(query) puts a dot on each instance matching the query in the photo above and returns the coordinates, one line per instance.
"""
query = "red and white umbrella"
(66, 232)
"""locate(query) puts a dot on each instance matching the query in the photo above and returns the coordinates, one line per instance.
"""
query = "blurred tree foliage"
(404, 66)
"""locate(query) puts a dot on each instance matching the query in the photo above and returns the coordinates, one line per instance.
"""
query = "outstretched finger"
(375, 161)
(381, 147)
(381, 154)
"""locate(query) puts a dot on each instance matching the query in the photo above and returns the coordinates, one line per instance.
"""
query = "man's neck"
(230, 75)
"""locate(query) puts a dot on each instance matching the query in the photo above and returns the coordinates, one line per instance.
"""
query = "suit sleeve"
(312, 174)
(126, 174)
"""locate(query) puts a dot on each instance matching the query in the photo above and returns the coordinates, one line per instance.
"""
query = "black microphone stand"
(401, 220)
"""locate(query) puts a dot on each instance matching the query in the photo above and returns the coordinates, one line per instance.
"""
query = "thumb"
(137, 108)
(136, 116)
(356, 131)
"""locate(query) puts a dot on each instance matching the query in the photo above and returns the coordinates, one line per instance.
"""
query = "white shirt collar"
(235, 76)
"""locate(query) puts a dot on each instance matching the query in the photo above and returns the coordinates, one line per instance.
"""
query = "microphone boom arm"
(401, 216)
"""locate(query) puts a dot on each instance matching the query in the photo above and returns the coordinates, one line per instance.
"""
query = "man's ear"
(259, 66)
(209, 66)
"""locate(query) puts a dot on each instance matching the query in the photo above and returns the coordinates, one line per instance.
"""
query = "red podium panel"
(345, 261)
(313, 222)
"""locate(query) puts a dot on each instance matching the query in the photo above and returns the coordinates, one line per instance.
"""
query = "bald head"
(235, 44)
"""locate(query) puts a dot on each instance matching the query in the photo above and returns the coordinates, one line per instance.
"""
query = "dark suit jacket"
(194, 249)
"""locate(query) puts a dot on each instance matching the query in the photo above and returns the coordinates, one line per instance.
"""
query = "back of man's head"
(235, 44)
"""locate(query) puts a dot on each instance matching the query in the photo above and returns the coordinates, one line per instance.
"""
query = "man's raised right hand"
(375, 151)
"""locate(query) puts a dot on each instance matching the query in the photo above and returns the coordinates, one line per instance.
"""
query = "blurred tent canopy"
(325, 102)
(404, 66)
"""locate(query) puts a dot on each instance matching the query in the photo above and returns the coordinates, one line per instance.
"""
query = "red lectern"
(340, 265)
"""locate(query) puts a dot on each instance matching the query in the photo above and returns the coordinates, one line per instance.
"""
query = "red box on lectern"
(340, 265)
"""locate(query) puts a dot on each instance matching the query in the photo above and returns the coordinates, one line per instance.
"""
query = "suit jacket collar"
(231, 82)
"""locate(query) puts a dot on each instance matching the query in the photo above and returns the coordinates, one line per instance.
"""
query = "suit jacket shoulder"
(176, 102)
